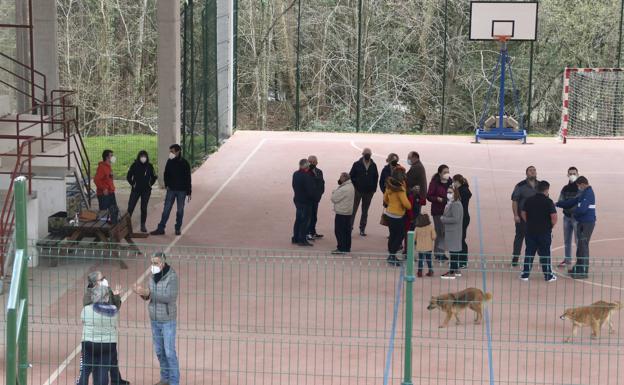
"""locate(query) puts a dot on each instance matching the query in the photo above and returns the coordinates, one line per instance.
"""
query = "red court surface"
(303, 317)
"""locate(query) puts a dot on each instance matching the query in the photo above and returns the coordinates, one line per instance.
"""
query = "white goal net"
(593, 103)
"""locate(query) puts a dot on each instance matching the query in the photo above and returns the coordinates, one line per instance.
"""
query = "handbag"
(384, 220)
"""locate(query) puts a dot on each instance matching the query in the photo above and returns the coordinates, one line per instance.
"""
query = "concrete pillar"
(169, 79)
(225, 66)
(45, 43)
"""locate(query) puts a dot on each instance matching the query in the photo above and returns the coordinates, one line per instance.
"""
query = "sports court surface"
(254, 316)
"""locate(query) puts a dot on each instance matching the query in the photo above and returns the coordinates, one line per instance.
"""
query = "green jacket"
(99, 323)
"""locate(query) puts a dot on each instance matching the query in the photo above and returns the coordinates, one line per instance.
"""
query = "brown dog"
(594, 315)
(453, 303)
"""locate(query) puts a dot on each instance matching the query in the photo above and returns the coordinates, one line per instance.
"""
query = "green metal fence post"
(191, 18)
(298, 68)
(409, 309)
(358, 96)
(21, 243)
(215, 77)
(204, 67)
(184, 78)
(444, 68)
(530, 100)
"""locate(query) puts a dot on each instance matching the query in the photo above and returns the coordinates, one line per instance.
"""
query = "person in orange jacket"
(104, 183)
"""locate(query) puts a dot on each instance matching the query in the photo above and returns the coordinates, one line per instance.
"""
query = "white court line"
(472, 168)
(75, 352)
(589, 282)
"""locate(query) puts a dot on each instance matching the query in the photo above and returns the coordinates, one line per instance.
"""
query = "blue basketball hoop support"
(502, 131)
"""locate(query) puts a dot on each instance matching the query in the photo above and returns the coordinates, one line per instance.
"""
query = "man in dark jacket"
(416, 182)
(569, 191)
(178, 184)
(305, 190)
(540, 215)
(522, 191)
(585, 216)
(364, 176)
(319, 183)
(392, 162)
(141, 177)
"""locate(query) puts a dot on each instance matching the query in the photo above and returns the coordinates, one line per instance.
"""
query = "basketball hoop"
(502, 38)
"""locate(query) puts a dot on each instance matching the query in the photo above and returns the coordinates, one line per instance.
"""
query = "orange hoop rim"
(502, 38)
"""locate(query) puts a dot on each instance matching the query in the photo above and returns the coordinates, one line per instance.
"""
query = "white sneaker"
(448, 275)
(523, 277)
(553, 278)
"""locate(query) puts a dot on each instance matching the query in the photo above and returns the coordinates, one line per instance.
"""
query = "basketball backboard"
(489, 19)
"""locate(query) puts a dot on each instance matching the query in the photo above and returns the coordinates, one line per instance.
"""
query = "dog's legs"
(611, 329)
(478, 314)
(574, 330)
(446, 320)
(457, 318)
(595, 325)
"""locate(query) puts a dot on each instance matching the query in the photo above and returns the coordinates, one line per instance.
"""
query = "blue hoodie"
(585, 206)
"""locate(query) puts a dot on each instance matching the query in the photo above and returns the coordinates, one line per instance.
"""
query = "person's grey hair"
(304, 163)
(92, 278)
(160, 255)
(99, 294)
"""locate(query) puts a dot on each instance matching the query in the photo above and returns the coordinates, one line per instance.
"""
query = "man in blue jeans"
(162, 295)
(540, 215)
(177, 180)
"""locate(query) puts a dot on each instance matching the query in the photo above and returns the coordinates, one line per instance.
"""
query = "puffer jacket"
(164, 296)
(343, 198)
(395, 198)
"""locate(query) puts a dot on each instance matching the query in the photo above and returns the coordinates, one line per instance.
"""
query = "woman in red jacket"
(436, 194)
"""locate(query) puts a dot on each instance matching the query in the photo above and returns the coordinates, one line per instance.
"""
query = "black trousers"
(455, 260)
(584, 231)
(397, 231)
(134, 198)
(519, 238)
(302, 222)
(342, 229)
(366, 199)
(313, 218)
(463, 258)
(96, 358)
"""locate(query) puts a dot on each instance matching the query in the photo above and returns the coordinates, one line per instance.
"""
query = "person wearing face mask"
(437, 195)
(585, 216)
(416, 182)
(97, 279)
(141, 177)
(178, 183)
(461, 184)
(522, 191)
(162, 294)
(319, 183)
(392, 162)
(364, 177)
(105, 184)
(452, 219)
(569, 191)
(540, 215)
(342, 198)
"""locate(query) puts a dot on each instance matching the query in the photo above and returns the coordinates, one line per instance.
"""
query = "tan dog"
(453, 303)
(594, 315)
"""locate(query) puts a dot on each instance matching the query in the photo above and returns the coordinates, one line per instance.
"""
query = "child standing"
(425, 235)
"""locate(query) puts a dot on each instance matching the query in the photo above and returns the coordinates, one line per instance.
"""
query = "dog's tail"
(618, 305)
(487, 297)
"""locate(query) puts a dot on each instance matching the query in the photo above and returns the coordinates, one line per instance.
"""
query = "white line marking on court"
(127, 294)
(466, 167)
(589, 282)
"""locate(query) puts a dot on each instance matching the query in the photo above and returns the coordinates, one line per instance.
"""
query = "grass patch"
(125, 147)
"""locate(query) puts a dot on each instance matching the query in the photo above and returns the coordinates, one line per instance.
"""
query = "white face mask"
(155, 269)
(572, 178)
(456, 184)
(409, 162)
(171, 155)
(445, 177)
(104, 282)
(449, 196)
(113, 159)
(143, 159)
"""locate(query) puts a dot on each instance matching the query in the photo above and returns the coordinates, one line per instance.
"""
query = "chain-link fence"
(392, 66)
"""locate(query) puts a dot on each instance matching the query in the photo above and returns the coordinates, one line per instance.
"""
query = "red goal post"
(565, 110)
